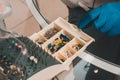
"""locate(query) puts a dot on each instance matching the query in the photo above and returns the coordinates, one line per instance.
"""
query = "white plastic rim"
(36, 14)
(100, 63)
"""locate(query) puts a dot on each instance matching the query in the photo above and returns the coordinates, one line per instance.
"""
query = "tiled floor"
(22, 21)
(53, 10)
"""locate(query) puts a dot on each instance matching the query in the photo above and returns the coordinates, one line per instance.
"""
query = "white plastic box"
(76, 44)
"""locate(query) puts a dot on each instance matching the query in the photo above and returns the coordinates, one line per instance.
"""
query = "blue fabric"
(105, 18)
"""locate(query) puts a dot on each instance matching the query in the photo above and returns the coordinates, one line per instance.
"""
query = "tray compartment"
(50, 31)
(76, 44)
(58, 41)
(40, 40)
(61, 58)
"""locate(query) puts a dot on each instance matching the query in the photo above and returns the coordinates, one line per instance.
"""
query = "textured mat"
(18, 66)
